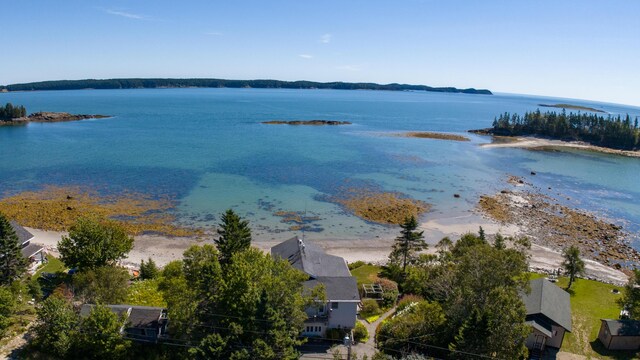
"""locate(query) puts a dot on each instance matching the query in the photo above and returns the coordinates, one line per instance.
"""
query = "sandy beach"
(165, 249)
(529, 142)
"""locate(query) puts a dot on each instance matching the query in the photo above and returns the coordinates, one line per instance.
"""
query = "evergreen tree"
(408, 243)
(572, 264)
(12, 263)
(235, 236)
(7, 307)
(148, 270)
(631, 296)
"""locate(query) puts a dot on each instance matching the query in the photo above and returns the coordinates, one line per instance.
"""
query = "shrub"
(370, 307)
(389, 298)
(357, 264)
(360, 333)
(407, 300)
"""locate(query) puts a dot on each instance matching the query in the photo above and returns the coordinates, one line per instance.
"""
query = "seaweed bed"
(379, 206)
(435, 135)
(57, 208)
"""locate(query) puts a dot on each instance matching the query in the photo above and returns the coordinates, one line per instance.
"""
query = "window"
(334, 305)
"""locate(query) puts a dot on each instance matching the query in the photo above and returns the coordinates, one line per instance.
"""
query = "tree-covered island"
(614, 132)
(17, 115)
(224, 83)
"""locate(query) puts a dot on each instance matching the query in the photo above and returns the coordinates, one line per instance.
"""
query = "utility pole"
(347, 343)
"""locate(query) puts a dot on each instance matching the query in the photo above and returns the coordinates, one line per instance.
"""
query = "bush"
(360, 333)
(357, 264)
(407, 300)
(370, 307)
(389, 298)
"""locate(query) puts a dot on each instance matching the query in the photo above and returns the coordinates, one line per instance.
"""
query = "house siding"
(558, 335)
(531, 340)
(344, 316)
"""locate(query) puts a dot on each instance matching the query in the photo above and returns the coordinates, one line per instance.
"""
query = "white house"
(32, 252)
(342, 297)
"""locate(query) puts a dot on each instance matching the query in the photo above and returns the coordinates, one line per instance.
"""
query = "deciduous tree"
(56, 327)
(99, 335)
(93, 243)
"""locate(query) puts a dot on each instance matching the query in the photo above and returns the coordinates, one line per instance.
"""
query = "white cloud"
(325, 39)
(306, 56)
(124, 14)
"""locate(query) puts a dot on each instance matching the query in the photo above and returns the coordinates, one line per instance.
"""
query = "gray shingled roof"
(549, 300)
(337, 288)
(139, 316)
(623, 327)
(30, 250)
(310, 258)
(23, 234)
(322, 268)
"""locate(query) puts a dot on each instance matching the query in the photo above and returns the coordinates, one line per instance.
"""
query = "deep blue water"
(207, 149)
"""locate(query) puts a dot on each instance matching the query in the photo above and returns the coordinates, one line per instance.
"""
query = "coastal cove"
(206, 150)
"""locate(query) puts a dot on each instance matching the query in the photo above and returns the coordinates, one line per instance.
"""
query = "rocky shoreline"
(551, 224)
(48, 116)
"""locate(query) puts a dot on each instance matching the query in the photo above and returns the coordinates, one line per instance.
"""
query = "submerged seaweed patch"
(57, 208)
(379, 206)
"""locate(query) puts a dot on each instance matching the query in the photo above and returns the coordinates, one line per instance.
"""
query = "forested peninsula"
(613, 132)
(17, 115)
(222, 83)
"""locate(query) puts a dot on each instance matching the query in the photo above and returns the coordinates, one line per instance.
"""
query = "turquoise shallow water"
(207, 149)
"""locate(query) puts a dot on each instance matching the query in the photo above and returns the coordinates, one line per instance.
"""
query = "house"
(548, 313)
(620, 334)
(34, 253)
(340, 309)
(143, 323)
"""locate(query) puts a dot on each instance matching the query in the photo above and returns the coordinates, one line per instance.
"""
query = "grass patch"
(145, 293)
(366, 274)
(590, 302)
(53, 265)
(371, 318)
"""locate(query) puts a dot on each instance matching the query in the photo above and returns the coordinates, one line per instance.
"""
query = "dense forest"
(10, 111)
(222, 83)
(612, 132)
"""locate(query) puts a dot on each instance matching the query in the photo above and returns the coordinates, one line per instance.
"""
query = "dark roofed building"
(32, 252)
(341, 289)
(620, 334)
(548, 313)
(144, 323)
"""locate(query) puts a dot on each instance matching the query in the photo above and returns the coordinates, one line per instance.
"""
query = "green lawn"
(53, 265)
(366, 274)
(590, 302)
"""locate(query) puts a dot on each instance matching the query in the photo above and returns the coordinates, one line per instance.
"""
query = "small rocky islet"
(49, 117)
(306, 122)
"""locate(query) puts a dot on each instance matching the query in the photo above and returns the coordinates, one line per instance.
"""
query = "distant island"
(17, 115)
(609, 132)
(306, 122)
(222, 83)
(572, 107)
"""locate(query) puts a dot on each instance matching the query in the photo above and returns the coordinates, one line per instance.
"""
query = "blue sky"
(577, 49)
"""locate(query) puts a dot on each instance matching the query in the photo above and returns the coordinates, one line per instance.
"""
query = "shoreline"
(536, 143)
(164, 249)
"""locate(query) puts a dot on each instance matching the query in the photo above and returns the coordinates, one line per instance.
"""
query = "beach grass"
(366, 274)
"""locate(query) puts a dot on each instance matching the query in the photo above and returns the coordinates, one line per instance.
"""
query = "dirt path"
(10, 350)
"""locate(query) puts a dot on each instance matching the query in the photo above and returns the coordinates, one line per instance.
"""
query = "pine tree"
(408, 243)
(148, 270)
(12, 263)
(572, 264)
(235, 236)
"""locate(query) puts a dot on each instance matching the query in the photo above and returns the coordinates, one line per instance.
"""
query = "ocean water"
(207, 149)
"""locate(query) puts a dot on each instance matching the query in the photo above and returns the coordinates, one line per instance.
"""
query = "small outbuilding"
(620, 334)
